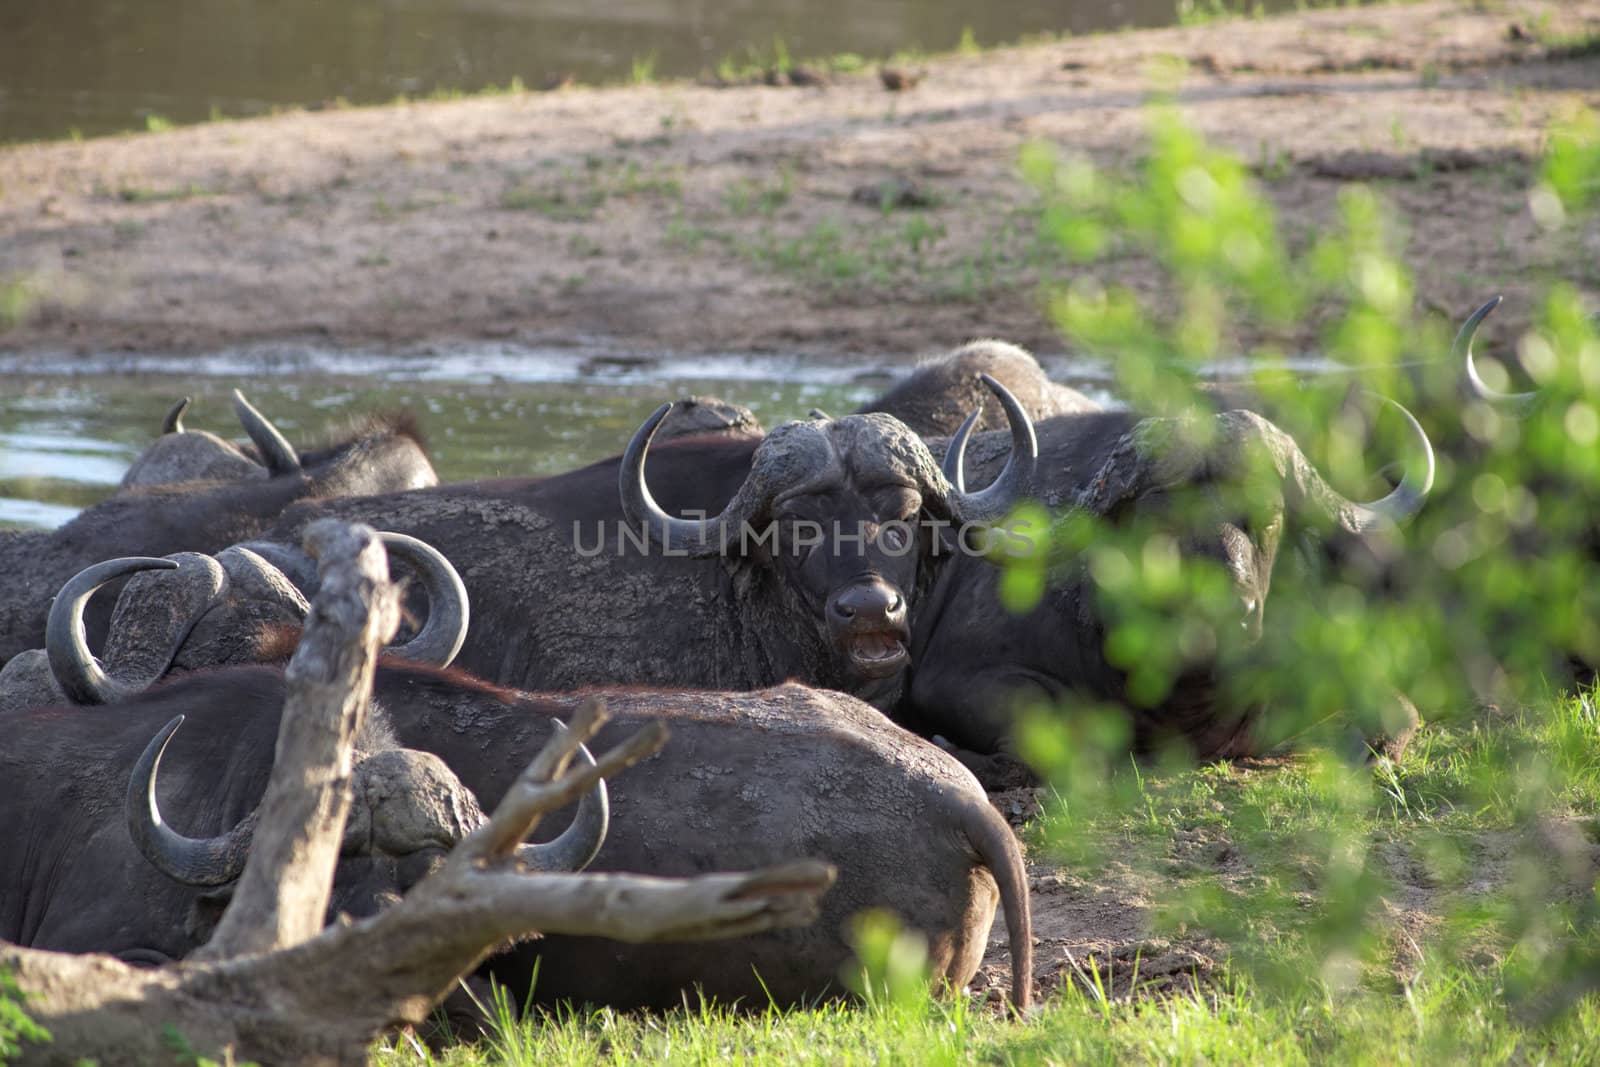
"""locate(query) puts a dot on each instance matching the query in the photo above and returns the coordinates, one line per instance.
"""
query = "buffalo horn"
(992, 503)
(77, 671)
(292, 562)
(579, 843)
(173, 422)
(1518, 404)
(1406, 499)
(277, 454)
(445, 631)
(694, 537)
(209, 861)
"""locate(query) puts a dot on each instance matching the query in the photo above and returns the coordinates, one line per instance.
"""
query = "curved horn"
(694, 537)
(992, 503)
(445, 631)
(277, 454)
(1406, 499)
(204, 862)
(579, 843)
(173, 421)
(1514, 403)
(818, 413)
(955, 453)
(77, 671)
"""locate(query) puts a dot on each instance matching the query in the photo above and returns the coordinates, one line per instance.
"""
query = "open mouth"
(878, 653)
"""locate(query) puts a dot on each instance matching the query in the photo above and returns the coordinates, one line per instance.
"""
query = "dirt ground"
(833, 219)
(1098, 925)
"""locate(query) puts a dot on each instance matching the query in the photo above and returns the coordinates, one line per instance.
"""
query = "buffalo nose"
(869, 603)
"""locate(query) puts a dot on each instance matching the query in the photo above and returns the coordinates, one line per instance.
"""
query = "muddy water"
(66, 441)
(100, 66)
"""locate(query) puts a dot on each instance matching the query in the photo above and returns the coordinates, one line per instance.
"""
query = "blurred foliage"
(1478, 609)
(1569, 182)
(890, 968)
(15, 1025)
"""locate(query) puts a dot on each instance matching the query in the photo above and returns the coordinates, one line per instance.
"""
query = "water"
(101, 66)
(66, 437)
(65, 441)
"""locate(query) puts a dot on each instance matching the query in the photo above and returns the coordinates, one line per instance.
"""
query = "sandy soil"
(693, 218)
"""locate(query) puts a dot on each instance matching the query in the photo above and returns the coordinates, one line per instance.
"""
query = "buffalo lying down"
(974, 660)
(750, 776)
(268, 986)
(744, 775)
(164, 516)
(935, 399)
(183, 455)
(813, 553)
(75, 879)
(788, 771)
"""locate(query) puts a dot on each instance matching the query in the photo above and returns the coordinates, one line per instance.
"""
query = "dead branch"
(283, 894)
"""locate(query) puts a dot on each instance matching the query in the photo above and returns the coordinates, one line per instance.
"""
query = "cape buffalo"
(693, 416)
(935, 398)
(1234, 500)
(815, 545)
(183, 455)
(93, 867)
(745, 774)
(744, 777)
(381, 455)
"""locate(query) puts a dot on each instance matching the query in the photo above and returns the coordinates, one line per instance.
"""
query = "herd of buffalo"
(816, 612)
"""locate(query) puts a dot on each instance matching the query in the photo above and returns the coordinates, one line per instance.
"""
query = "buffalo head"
(1229, 491)
(935, 398)
(375, 455)
(408, 811)
(195, 611)
(836, 511)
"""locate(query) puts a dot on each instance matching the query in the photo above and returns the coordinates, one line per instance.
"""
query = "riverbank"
(833, 220)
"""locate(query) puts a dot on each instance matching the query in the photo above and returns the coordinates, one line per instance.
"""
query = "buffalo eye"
(896, 502)
(893, 538)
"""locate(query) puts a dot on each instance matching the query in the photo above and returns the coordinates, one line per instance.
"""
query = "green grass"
(1578, 45)
(1487, 987)
(747, 197)
(1205, 12)
(898, 253)
(17, 297)
(577, 195)
(1561, 44)
(1441, 1018)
